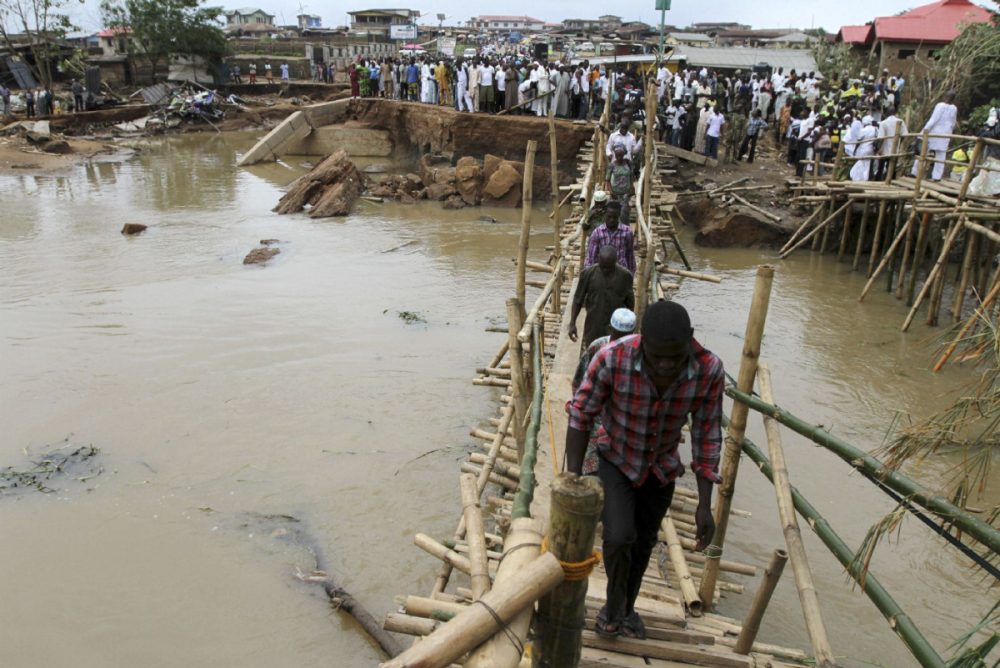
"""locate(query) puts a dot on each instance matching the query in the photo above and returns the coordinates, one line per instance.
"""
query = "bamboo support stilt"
(964, 275)
(793, 536)
(823, 225)
(526, 201)
(935, 271)
(795, 235)
(919, 252)
(479, 622)
(906, 258)
(575, 507)
(556, 208)
(862, 230)
(751, 625)
(519, 384)
(734, 437)
(845, 234)
(475, 536)
(877, 238)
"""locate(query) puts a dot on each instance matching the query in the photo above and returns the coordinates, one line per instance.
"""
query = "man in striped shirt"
(644, 388)
(612, 233)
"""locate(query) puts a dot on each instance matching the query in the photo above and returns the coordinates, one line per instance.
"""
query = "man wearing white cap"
(622, 324)
(861, 171)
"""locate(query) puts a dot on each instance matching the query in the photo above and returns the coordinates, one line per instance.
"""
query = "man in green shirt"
(602, 288)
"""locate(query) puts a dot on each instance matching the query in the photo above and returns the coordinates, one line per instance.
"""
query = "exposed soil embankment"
(423, 128)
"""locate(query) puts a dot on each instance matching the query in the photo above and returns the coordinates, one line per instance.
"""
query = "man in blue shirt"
(412, 80)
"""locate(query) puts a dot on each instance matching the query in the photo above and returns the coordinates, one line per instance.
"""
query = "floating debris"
(68, 462)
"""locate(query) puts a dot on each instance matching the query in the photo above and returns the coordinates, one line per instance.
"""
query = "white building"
(248, 15)
(506, 23)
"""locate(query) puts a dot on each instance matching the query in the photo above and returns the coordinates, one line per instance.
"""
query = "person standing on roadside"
(645, 388)
(77, 88)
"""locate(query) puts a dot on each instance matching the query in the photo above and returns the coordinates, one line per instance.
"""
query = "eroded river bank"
(219, 394)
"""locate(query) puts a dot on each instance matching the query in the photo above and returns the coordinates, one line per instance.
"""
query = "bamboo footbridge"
(520, 581)
(909, 229)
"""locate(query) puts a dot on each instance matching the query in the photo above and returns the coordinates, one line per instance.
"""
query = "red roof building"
(907, 42)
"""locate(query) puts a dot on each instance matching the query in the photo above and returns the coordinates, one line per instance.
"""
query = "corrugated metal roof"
(690, 36)
(937, 22)
(720, 57)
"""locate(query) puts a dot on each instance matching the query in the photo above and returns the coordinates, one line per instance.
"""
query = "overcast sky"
(828, 14)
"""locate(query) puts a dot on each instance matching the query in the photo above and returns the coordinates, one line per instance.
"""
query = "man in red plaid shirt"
(644, 388)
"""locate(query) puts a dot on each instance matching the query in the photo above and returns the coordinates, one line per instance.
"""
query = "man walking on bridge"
(602, 288)
(644, 388)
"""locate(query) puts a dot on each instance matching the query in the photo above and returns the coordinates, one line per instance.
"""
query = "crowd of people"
(43, 101)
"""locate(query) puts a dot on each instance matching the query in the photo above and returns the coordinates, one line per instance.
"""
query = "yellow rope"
(575, 571)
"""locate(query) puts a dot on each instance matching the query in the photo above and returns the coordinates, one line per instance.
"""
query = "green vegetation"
(161, 29)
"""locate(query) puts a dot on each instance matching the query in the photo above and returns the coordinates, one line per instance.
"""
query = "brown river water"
(223, 397)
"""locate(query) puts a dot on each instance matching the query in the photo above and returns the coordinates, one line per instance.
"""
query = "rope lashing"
(576, 571)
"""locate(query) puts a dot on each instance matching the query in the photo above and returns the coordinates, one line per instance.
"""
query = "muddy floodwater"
(250, 418)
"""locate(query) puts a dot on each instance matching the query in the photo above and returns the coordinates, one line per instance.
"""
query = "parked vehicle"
(587, 46)
(470, 52)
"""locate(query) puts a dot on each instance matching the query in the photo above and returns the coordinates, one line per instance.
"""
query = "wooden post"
(556, 209)
(575, 508)
(520, 548)
(793, 536)
(476, 623)
(896, 146)
(519, 384)
(737, 428)
(475, 536)
(526, 200)
(861, 236)
(760, 600)
(935, 270)
(812, 234)
(681, 571)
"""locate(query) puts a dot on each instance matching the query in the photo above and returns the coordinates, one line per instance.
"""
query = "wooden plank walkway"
(675, 636)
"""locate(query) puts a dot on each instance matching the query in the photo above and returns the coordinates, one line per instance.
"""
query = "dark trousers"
(77, 102)
(712, 147)
(632, 518)
(750, 142)
(801, 149)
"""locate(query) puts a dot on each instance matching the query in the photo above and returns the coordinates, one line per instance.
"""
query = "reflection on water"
(216, 390)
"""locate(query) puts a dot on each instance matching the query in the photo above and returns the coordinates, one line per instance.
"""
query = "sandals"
(633, 627)
(605, 628)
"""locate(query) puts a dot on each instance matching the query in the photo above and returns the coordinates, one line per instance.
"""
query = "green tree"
(40, 24)
(164, 28)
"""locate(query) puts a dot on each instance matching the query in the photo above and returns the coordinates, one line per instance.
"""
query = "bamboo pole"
(964, 276)
(919, 252)
(937, 290)
(793, 536)
(861, 236)
(691, 274)
(973, 319)
(436, 549)
(873, 468)
(475, 536)
(409, 625)
(575, 507)
(526, 202)
(677, 559)
(751, 625)
(877, 238)
(731, 455)
(521, 547)
(419, 606)
(795, 235)
(921, 166)
(822, 225)
(846, 233)
(480, 621)
(905, 260)
(556, 207)
(935, 270)
(519, 387)
(900, 622)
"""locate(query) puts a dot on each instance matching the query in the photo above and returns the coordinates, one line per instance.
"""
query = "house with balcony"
(237, 18)
(507, 23)
(380, 21)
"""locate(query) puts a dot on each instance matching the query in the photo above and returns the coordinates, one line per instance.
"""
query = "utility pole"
(663, 6)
